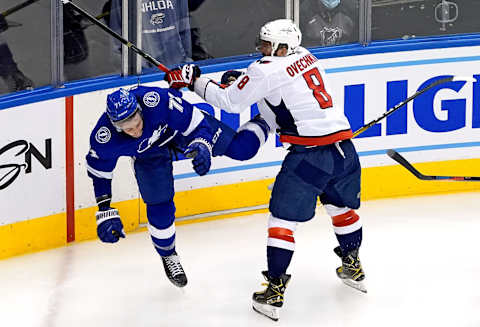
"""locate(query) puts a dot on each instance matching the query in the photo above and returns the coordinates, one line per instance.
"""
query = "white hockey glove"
(109, 225)
(183, 77)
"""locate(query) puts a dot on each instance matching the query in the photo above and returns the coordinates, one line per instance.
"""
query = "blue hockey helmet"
(121, 105)
(330, 4)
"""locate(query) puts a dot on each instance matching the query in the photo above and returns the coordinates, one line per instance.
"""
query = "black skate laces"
(173, 265)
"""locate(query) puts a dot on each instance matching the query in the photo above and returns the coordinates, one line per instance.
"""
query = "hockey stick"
(132, 46)
(402, 161)
(17, 7)
(107, 29)
(425, 89)
(102, 15)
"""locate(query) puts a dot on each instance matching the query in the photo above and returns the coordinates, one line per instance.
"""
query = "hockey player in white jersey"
(291, 90)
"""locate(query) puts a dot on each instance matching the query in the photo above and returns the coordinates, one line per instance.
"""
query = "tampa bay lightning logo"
(157, 19)
(103, 135)
(151, 99)
(145, 144)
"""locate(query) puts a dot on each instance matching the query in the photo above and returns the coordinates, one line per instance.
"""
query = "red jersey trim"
(317, 140)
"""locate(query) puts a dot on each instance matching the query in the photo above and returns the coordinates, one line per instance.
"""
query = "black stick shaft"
(407, 165)
(107, 29)
(395, 108)
(17, 7)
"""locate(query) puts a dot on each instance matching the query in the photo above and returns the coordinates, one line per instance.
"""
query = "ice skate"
(269, 301)
(351, 272)
(174, 270)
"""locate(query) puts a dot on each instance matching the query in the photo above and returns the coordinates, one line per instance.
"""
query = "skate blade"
(267, 310)
(177, 283)
(356, 285)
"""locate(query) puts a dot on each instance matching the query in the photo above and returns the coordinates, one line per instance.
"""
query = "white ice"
(420, 255)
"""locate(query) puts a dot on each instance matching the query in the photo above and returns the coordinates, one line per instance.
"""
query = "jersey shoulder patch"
(103, 135)
(151, 98)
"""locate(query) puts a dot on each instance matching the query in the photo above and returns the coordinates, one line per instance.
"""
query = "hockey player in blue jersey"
(146, 123)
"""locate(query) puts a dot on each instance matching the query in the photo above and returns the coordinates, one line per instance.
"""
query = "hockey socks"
(280, 245)
(161, 226)
(278, 261)
(347, 226)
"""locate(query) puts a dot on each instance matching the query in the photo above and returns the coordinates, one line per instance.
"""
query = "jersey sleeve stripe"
(197, 117)
(99, 173)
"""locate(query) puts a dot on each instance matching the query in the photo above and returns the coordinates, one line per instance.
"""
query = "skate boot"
(269, 301)
(351, 272)
(174, 270)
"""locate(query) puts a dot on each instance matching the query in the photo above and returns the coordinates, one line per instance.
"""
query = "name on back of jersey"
(301, 64)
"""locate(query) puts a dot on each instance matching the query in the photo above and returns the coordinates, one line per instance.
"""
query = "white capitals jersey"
(292, 96)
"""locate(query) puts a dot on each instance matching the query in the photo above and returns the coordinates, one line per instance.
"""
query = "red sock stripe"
(281, 234)
(345, 219)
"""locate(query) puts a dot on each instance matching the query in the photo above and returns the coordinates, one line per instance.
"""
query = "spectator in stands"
(11, 75)
(74, 40)
(329, 22)
(165, 30)
(199, 51)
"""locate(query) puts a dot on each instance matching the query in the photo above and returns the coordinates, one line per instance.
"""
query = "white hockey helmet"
(281, 31)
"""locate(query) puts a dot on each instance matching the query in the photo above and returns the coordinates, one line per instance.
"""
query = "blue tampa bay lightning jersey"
(167, 119)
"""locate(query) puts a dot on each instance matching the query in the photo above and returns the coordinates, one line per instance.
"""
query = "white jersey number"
(315, 83)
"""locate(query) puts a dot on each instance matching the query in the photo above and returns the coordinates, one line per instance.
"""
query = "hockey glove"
(229, 77)
(183, 77)
(3, 24)
(109, 226)
(201, 152)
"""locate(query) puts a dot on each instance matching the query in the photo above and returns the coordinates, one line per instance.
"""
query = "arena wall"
(47, 197)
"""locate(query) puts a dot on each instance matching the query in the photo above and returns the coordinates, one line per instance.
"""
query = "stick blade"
(402, 161)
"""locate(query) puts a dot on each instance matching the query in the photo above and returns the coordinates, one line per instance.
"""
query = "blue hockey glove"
(109, 226)
(201, 152)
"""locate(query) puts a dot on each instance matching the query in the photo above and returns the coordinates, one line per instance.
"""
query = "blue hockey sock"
(351, 241)
(278, 261)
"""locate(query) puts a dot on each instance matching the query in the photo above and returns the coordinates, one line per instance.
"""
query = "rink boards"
(47, 198)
